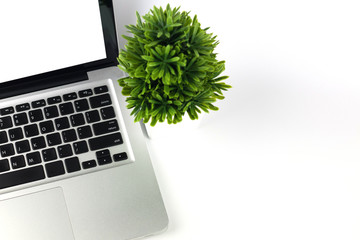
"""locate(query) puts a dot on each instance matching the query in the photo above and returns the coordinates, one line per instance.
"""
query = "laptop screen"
(42, 35)
(39, 38)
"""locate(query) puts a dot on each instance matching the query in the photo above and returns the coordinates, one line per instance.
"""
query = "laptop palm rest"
(41, 216)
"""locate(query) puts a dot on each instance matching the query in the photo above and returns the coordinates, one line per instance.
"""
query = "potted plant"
(172, 68)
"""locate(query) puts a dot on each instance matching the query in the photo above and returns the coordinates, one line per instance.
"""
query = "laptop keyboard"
(58, 136)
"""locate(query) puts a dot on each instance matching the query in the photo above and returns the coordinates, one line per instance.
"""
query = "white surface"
(59, 37)
(281, 158)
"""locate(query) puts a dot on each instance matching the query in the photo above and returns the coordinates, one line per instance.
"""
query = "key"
(66, 108)
(101, 89)
(80, 147)
(22, 146)
(38, 143)
(89, 164)
(92, 116)
(47, 127)
(20, 119)
(62, 123)
(105, 141)
(5, 122)
(105, 127)
(69, 135)
(7, 150)
(51, 112)
(104, 160)
(72, 164)
(84, 132)
(33, 158)
(4, 165)
(103, 157)
(16, 134)
(22, 107)
(36, 115)
(17, 162)
(100, 101)
(65, 151)
(54, 100)
(77, 119)
(85, 93)
(69, 96)
(49, 154)
(38, 103)
(102, 153)
(3, 137)
(81, 105)
(107, 113)
(120, 156)
(31, 130)
(23, 176)
(6, 111)
(53, 139)
(54, 169)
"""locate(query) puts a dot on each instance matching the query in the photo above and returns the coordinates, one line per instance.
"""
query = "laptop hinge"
(23, 86)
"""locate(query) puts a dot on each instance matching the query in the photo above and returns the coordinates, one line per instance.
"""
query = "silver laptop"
(73, 164)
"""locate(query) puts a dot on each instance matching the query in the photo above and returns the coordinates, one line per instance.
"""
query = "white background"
(280, 159)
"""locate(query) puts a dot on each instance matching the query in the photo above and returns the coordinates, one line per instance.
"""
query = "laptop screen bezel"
(74, 73)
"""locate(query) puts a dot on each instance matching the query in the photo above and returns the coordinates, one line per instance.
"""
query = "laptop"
(73, 164)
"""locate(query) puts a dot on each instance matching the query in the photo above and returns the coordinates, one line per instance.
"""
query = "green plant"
(172, 67)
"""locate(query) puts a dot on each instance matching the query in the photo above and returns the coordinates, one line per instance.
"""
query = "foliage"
(172, 67)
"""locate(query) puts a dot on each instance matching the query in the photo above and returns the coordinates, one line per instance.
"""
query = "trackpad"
(41, 216)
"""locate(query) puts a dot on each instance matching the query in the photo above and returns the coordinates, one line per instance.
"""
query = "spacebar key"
(26, 175)
(105, 141)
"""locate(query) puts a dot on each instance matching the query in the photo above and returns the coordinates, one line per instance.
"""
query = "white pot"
(164, 129)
